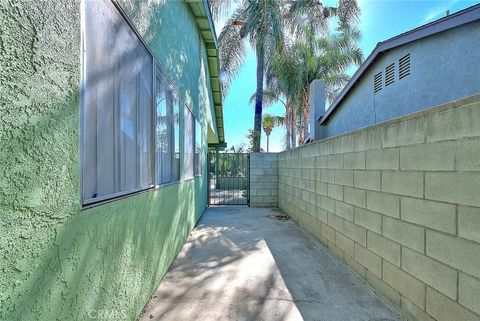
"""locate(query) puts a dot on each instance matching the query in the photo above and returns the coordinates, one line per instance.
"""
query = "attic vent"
(377, 82)
(390, 74)
(404, 66)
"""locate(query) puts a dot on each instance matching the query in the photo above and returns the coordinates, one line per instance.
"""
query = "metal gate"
(228, 178)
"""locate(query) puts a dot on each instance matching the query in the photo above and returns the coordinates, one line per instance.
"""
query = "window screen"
(116, 106)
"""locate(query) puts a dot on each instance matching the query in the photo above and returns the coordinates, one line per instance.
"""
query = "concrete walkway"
(241, 264)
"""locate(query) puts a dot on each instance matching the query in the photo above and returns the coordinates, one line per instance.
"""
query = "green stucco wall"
(56, 261)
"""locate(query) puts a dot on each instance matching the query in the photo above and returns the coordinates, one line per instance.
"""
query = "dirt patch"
(281, 218)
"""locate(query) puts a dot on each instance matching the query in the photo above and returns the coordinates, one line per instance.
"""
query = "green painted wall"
(57, 262)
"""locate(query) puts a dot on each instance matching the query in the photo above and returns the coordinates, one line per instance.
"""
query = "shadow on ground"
(239, 263)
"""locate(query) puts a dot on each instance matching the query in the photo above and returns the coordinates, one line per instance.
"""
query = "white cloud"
(219, 26)
(439, 11)
(220, 22)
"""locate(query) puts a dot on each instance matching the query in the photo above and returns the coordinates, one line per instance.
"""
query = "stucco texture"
(58, 262)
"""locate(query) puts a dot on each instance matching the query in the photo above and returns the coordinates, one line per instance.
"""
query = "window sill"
(191, 178)
(157, 187)
(107, 199)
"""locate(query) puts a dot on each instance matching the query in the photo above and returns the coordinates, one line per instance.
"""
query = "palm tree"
(271, 96)
(264, 23)
(260, 22)
(291, 71)
(268, 123)
(329, 59)
(311, 57)
(284, 83)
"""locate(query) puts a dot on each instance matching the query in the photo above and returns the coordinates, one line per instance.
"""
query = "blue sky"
(380, 20)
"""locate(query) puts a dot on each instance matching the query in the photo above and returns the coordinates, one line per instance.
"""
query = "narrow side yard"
(241, 263)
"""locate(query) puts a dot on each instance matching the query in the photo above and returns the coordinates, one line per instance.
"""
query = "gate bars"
(228, 178)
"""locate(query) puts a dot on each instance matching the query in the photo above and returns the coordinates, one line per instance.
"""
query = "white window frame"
(189, 136)
(169, 86)
(197, 143)
(190, 131)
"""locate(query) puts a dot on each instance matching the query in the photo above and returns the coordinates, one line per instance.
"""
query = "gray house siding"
(444, 67)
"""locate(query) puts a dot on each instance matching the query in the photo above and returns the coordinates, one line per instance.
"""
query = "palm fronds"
(295, 44)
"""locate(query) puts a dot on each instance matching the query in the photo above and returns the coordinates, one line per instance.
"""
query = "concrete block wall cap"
(473, 99)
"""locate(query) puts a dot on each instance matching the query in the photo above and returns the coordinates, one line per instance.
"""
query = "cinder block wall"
(399, 202)
(263, 179)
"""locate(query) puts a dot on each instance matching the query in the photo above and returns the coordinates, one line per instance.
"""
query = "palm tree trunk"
(257, 128)
(294, 128)
(300, 124)
(287, 125)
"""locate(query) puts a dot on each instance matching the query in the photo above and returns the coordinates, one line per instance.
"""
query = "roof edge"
(201, 8)
(210, 22)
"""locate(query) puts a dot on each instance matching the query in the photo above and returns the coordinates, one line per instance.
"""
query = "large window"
(130, 112)
(167, 146)
(116, 106)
